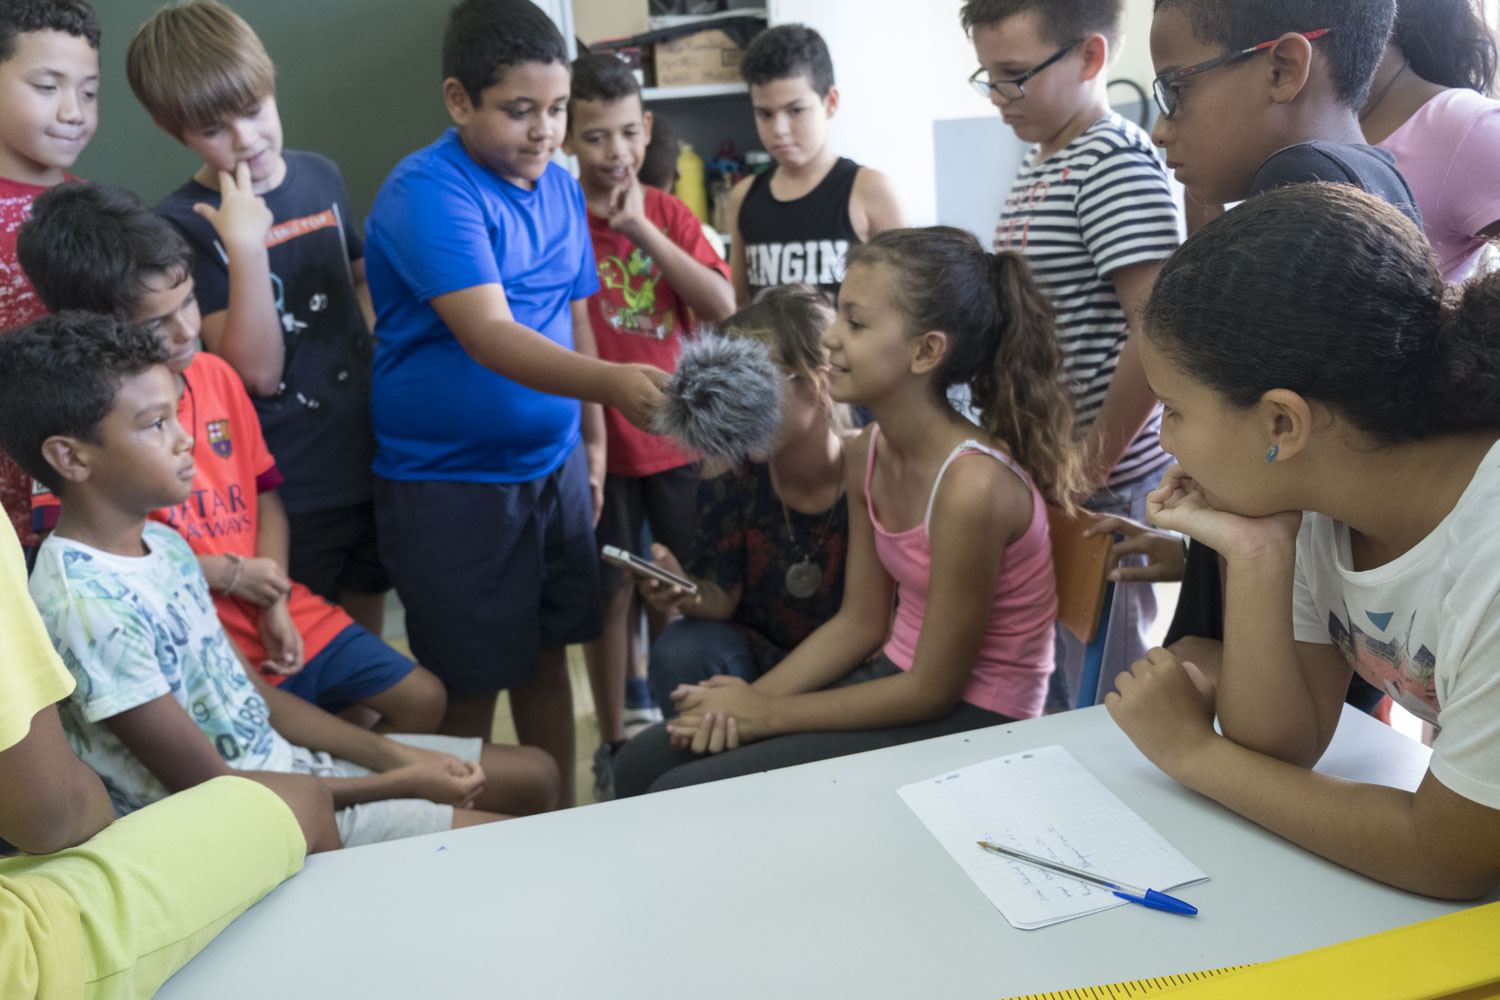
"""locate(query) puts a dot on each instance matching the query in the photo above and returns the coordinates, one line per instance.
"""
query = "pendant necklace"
(804, 578)
(1370, 108)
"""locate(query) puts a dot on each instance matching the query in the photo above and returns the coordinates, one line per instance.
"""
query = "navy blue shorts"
(490, 574)
(334, 550)
(353, 666)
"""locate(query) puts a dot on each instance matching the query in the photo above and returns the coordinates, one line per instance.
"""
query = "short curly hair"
(788, 50)
(486, 37)
(94, 247)
(21, 17)
(60, 375)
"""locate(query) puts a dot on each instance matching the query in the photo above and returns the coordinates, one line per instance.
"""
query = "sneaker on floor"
(604, 773)
(637, 719)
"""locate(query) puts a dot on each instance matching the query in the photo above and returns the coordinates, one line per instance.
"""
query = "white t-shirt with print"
(133, 628)
(1424, 628)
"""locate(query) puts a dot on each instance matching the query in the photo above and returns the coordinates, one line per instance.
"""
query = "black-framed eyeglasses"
(1163, 86)
(1014, 90)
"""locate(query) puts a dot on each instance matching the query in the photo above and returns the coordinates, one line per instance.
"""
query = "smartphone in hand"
(632, 563)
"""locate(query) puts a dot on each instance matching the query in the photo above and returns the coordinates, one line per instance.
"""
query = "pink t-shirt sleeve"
(1473, 181)
(1447, 152)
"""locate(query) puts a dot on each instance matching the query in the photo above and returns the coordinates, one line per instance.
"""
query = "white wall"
(879, 58)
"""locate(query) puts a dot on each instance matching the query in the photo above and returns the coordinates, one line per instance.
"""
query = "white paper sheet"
(1045, 803)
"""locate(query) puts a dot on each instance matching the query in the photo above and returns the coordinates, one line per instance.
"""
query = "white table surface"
(810, 881)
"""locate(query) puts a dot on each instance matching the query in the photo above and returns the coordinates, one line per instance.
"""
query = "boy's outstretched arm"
(481, 319)
(49, 799)
(1128, 402)
(595, 438)
(247, 334)
(704, 289)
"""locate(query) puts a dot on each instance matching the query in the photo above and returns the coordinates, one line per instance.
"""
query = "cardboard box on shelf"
(637, 57)
(703, 57)
(605, 20)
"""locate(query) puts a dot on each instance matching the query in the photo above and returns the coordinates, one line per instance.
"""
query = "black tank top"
(803, 240)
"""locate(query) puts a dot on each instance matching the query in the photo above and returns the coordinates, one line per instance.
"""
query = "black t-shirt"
(318, 423)
(1368, 168)
(1200, 605)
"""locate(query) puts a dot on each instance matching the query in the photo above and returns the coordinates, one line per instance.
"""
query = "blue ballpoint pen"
(1145, 897)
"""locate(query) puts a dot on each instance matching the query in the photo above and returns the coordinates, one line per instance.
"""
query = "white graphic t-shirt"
(1424, 628)
(131, 629)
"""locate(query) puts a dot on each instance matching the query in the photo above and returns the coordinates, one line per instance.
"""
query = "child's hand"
(627, 209)
(719, 714)
(708, 733)
(262, 582)
(663, 596)
(1179, 504)
(284, 650)
(635, 390)
(242, 219)
(1166, 708)
(1165, 558)
(444, 779)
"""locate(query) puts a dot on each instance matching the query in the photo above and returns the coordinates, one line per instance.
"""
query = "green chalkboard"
(357, 80)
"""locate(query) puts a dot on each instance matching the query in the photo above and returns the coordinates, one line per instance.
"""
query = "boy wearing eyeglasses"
(1256, 95)
(1259, 94)
(1092, 210)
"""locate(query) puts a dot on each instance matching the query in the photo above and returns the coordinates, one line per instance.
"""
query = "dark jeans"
(690, 651)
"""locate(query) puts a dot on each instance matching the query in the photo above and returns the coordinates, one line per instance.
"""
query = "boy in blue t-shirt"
(480, 267)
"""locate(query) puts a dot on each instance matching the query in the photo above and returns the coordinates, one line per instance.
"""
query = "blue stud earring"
(1272, 452)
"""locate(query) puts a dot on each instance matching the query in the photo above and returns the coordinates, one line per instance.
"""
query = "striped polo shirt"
(1100, 204)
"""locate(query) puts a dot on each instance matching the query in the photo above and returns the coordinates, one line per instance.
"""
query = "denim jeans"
(690, 651)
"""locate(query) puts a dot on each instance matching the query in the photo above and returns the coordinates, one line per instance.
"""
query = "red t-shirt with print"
(637, 318)
(18, 306)
(233, 467)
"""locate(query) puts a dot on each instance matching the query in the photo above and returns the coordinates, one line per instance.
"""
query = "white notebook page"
(1045, 803)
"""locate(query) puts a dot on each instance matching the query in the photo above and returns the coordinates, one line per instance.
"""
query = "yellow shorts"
(117, 915)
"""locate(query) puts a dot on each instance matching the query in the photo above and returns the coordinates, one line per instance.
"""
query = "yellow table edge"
(1453, 954)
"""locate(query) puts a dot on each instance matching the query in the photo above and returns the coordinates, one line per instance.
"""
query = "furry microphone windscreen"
(724, 399)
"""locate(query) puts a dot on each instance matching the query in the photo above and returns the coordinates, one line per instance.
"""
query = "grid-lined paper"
(1045, 803)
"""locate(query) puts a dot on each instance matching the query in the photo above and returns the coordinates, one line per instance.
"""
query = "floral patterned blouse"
(742, 538)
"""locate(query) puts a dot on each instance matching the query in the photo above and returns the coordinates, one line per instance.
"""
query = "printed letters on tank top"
(801, 240)
(817, 262)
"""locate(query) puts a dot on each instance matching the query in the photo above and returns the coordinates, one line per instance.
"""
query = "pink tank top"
(1016, 655)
